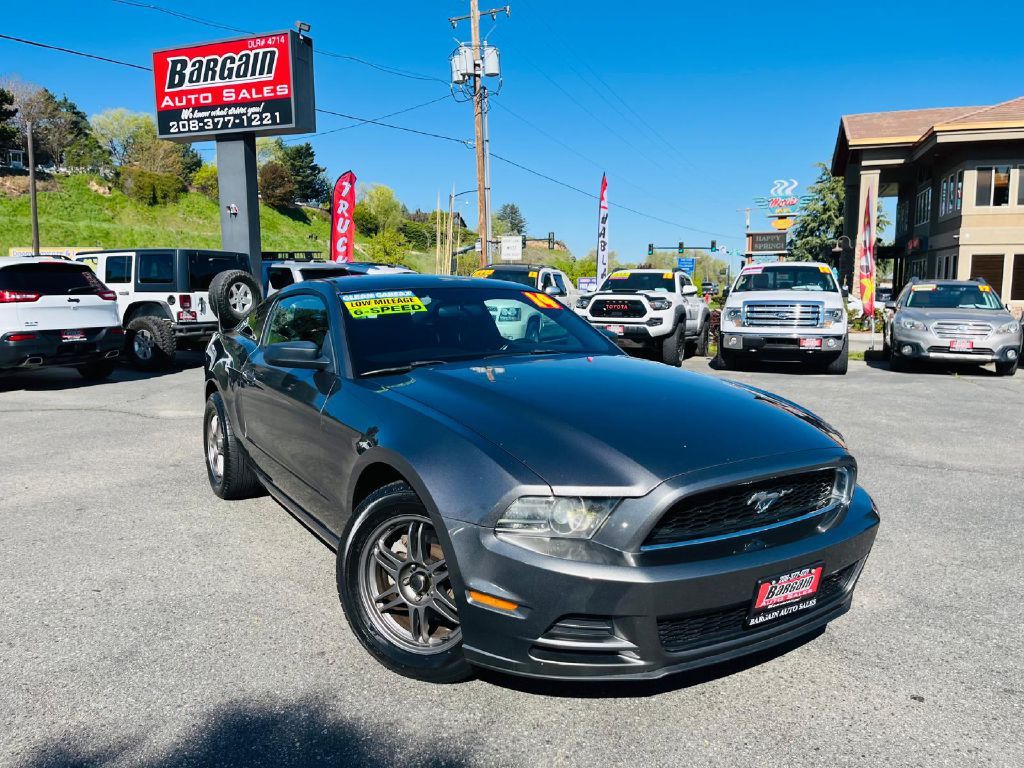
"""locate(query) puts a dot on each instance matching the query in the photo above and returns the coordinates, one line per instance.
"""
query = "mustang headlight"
(660, 304)
(583, 302)
(846, 482)
(1011, 327)
(569, 517)
(912, 325)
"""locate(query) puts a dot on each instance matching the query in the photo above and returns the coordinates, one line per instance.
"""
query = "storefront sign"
(261, 84)
(782, 201)
(766, 242)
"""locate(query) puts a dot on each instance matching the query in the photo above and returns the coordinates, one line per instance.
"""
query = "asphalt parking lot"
(145, 622)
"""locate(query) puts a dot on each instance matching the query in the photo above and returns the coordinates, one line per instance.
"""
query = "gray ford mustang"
(532, 501)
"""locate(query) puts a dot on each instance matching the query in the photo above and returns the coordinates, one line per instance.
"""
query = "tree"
(387, 247)
(365, 221)
(513, 218)
(268, 149)
(8, 130)
(311, 183)
(205, 181)
(277, 188)
(119, 132)
(385, 207)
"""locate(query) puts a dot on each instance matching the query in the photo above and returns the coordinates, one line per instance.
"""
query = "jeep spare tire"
(233, 294)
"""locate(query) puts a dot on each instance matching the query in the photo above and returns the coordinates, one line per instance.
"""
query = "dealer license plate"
(781, 596)
(187, 317)
(961, 345)
(73, 334)
(810, 343)
(618, 330)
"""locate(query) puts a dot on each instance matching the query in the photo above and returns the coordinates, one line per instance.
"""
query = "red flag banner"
(343, 226)
(866, 267)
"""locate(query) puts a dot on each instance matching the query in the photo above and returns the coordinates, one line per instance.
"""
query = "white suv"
(57, 313)
(281, 274)
(651, 308)
(785, 311)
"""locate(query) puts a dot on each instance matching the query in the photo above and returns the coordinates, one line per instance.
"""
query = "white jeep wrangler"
(165, 296)
(657, 309)
(785, 311)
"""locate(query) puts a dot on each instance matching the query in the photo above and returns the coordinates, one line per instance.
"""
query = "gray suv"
(960, 321)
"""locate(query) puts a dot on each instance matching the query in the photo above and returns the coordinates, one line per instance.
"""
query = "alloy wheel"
(215, 447)
(405, 587)
(142, 344)
(240, 298)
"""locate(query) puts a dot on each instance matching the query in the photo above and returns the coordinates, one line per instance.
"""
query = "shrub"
(276, 185)
(205, 181)
(419, 235)
(365, 221)
(150, 188)
(387, 247)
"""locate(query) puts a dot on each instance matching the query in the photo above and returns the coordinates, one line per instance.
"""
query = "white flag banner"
(602, 233)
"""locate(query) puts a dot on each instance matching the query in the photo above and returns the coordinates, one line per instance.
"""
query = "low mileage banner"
(261, 84)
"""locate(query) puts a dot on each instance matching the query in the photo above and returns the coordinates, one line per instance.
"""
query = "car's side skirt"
(309, 521)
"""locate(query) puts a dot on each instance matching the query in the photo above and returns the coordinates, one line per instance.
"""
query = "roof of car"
(397, 282)
(790, 264)
(10, 261)
(517, 267)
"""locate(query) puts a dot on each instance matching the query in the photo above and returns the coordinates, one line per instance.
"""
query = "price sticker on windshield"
(542, 300)
(364, 305)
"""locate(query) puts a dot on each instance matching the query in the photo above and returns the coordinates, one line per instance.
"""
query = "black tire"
(150, 342)
(725, 359)
(700, 347)
(839, 364)
(533, 330)
(886, 347)
(97, 371)
(236, 478)
(233, 295)
(673, 346)
(1007, 369)
(393, 505)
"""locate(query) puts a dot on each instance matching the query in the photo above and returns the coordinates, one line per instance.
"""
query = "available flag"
(602, 233)
(343, 226)
(866, 267)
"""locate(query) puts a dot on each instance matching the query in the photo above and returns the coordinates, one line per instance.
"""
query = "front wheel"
(838, 365)
(151, 343)
(396, 589)
(1007, 369)
(703, 341)
(673, 346)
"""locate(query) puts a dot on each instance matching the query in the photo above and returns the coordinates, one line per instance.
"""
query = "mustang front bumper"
(641, 615)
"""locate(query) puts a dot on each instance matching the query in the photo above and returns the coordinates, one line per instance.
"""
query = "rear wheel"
(227, 467)
(396, 589)
(151, 342)
(97, 371)
(673, 346)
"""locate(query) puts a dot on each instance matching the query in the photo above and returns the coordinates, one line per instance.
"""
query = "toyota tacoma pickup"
(656, 309)
(785, 311)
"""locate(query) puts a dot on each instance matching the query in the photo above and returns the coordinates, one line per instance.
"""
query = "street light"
(837, 249)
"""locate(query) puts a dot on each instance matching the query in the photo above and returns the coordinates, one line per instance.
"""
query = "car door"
(692, 305)
(116, 272)
(281, 406)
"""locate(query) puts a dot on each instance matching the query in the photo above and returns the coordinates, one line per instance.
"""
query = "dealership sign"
(261, 84)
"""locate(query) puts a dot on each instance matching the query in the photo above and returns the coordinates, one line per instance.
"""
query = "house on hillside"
(12, 158)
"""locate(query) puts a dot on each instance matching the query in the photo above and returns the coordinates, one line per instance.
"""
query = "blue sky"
(693, 111)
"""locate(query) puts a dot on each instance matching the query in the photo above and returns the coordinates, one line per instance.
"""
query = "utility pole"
(32, 190)
(481, 141)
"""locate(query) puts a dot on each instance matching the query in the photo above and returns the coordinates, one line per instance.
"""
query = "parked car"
(281, 274)
(56, 313)
(951, 321)
(709, 288)
(548, 508)
(163, 296)
(553, 282)
(653, 309)
(785, 311)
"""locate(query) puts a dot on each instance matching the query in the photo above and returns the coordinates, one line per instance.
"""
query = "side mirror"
(890, 305)
(689, 290)
(553, 290)
(296, 354)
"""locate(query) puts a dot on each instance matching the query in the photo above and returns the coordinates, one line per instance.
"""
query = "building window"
(902, 217)
(1017, 279)
(952, 193)
(993, 186)
(924, 206)
(944, 197)
(959, 201)
(1020, 185)
(989, 267)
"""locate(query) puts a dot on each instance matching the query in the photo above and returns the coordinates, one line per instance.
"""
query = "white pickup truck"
(785, 311)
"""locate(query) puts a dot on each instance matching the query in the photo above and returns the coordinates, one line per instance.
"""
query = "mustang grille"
(737, 508)
(617, 308)
(680, 633)
(782, 313)
(950, 329)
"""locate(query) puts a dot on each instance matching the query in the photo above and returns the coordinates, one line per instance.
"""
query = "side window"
(119, 269)
(280, 278)
(562, 290)
(298, 318)
(157, 267)
(546, 281)
(253, 327)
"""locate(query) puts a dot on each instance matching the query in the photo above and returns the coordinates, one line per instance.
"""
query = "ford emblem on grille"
(962, 328)
(762, 500)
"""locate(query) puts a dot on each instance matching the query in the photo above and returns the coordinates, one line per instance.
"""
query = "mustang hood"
(613, 421)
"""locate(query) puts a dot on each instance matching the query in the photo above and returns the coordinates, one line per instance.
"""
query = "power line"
(75, 53)
(319, 51)
(370, 121)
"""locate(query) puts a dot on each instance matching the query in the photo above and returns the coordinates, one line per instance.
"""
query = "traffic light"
(682, 248)
(650, 249)
(714, 246)
(551, 241)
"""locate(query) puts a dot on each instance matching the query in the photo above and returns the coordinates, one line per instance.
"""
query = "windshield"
(631, 282)
(50, 279)
(945, 296)
(521, 276)
(786, 278)
(203, 267)
(323, 273)
(396, 329)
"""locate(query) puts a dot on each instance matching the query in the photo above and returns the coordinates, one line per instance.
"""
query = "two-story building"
(958, 176)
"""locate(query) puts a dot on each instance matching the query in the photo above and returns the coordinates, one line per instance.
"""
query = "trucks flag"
(602, 232)
(866, 267)
(343, 226)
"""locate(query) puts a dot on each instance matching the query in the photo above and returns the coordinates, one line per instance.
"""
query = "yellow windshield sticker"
(823, 268)
(483, 273)
(667, 275)
(533, 274)
(621, 275)
(924, 287)
(363, 305)
(985, 288)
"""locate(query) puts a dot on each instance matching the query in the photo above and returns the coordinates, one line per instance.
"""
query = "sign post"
(511, 247)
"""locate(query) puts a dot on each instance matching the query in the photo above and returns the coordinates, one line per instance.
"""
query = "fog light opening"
(832, 343)
(491, 601)
(906, 349)
(1011, 354)
(734, 341)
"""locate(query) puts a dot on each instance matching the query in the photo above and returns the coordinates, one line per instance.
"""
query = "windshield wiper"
(81, 288)
(403, 368)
